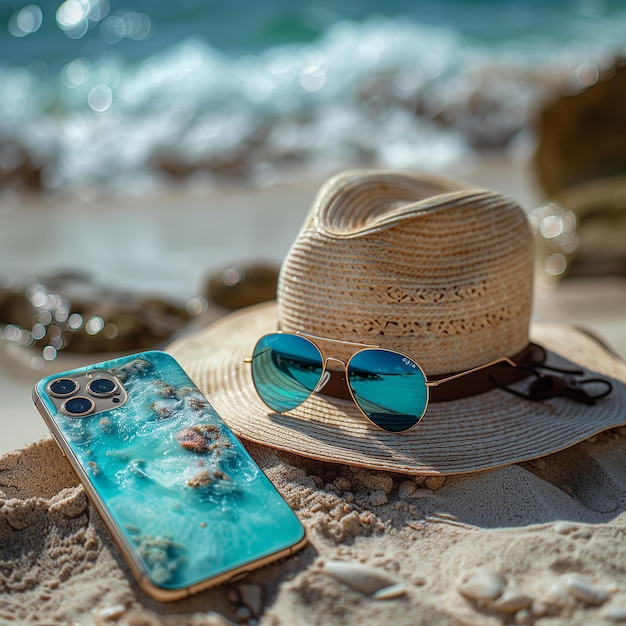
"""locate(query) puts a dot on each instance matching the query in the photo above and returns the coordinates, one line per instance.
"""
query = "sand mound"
(538, 542)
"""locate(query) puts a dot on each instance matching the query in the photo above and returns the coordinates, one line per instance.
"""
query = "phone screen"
(186, 502)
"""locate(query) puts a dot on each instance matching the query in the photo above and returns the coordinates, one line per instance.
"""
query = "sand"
(534, 543)
(549, 532)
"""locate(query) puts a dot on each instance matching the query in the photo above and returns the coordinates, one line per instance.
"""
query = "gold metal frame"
(325, 375)
(128, 551)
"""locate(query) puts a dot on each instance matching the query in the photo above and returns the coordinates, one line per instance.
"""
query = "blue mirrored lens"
(285, 370)
(389, 387)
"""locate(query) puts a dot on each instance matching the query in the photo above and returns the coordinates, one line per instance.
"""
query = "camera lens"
(63, 387)
(102, 387)
(78, 406)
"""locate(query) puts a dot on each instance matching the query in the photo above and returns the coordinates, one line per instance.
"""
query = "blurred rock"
(582, 136)
(70, 312)
(600, 208)
(18, 169)
(239, 286)
(581, 162)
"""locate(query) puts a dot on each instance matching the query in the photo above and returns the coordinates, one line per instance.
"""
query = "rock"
(20, 168)
(483, 584)
(582, 136)
(583, 588)
(581, 161)
(72, 312)
(512, 600)
(600, 209)
(239, 286)
(434, 482)
(198, 438)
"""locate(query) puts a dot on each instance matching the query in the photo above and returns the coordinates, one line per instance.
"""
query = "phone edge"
(126, 550)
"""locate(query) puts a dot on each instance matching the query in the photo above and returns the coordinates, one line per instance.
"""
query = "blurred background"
(157, 158)
(130, 95)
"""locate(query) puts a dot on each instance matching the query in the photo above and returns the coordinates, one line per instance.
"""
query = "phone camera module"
(63, 387)
(78, 406)
(102, 387)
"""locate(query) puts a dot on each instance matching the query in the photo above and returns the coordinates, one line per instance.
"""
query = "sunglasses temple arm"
(447, 379)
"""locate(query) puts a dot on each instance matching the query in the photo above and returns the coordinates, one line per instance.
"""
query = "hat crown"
(422, 264)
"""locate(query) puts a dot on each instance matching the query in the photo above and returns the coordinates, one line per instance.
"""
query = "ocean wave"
(387, 92)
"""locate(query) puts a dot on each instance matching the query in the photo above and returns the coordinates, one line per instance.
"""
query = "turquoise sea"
(128, 95)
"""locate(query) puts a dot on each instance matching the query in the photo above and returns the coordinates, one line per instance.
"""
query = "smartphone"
(185, 502)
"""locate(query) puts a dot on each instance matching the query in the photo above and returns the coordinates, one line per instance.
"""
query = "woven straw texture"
(475, 433)
(433, 268)
(417, 263)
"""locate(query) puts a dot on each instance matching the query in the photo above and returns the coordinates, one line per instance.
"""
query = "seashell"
(434, 482)
(565, 528)
(108, 614)
(482, 584)
(386, 593)
(197, 438)
(582, 588)
(512, 600)
(360, 577)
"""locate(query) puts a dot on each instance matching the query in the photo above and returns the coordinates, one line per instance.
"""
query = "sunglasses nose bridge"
(336, 360)
(326, 375)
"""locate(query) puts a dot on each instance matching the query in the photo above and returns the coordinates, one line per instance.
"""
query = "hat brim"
(480, 432)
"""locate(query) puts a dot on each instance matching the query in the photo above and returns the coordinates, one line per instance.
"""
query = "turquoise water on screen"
(189, 499)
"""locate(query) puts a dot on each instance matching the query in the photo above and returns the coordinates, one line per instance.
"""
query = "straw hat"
(432, 268)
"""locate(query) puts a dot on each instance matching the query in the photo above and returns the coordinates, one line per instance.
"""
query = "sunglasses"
(389, 387)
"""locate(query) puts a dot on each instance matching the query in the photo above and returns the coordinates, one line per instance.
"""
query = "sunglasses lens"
(389, 388)
(285, 370)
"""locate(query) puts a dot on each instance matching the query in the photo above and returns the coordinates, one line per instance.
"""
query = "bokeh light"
(25, 21)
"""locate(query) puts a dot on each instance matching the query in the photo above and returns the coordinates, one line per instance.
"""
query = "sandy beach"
(534, 543)
(168, 245)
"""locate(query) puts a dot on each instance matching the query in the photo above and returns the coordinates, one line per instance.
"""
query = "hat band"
(465, 386)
